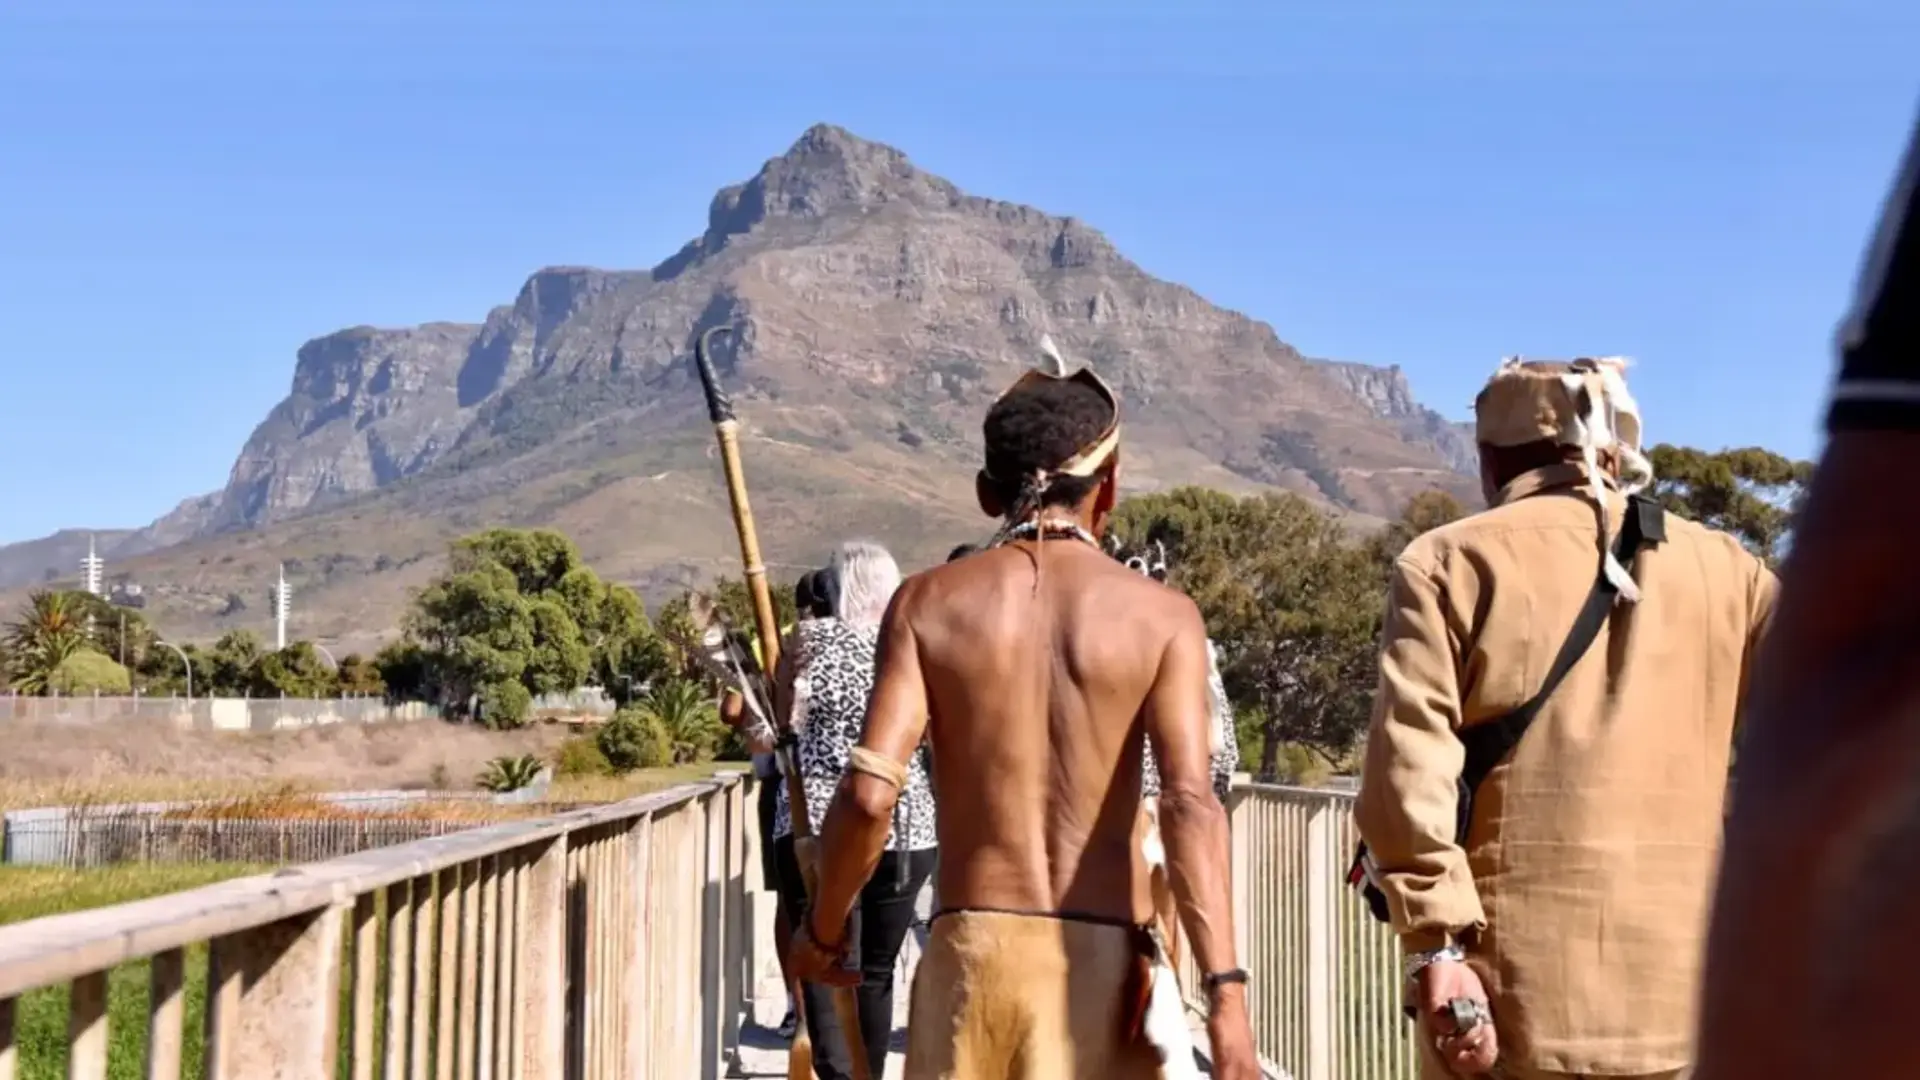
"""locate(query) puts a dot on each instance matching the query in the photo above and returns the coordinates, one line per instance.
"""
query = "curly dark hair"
(1038, 427)
(962, 552)
(810, 594)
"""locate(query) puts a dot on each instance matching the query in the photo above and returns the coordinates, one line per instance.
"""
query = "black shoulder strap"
(1490, 742)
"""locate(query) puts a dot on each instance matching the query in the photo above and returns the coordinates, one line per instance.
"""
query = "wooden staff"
(727, 429)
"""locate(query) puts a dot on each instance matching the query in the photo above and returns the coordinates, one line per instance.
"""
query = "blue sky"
(188, 191)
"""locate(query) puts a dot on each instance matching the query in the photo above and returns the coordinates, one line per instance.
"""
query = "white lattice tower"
(282, 607)
(91, 570)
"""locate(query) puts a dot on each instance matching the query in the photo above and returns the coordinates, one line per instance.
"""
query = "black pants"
(880, 924)
(768, 808)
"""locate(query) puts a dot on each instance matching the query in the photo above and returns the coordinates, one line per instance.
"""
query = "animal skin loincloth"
(1006, 996)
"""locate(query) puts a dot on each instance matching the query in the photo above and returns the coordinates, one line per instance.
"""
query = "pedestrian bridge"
(628, 940)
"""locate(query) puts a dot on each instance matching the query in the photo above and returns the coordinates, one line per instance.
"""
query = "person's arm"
(1408, 804)
(1177, 715)
(855, 831)
(1810, 958)
(735, 714)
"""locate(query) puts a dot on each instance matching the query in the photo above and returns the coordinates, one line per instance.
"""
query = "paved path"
(763, 1053)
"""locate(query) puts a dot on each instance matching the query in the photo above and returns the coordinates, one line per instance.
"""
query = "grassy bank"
(34, 892)
(40, 1022)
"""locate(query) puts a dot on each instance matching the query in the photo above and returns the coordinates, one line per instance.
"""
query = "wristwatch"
(1415, 963)
(1211, 984)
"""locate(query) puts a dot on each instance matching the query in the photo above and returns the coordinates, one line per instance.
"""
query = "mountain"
(1387, 392)
(879, 310)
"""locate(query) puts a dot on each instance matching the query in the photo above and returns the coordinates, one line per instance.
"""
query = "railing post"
(1322, 939)
(637, 988)
(733, 889)
(1240, 866)
(713, 824)
(541, 986)
(275, 1007)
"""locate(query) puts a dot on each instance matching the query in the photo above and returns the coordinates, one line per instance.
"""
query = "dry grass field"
(129, 761)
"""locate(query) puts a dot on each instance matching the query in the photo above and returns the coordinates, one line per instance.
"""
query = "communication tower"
(282, 607)
(90, 570)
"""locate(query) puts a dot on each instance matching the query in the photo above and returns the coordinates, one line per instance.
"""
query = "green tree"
(297, 671)
(1292, 601)
(228, 671)
(162, 672)
(88, 672)
(520, 605)
(477, 630)
(358, 675)
(505, 704)
(560, 660)
(1428, 510)
(120, 633)
(538, 559)
(732, 597)
(51, 629)
(624, 652)
(1750, 492)
(634, 738)
(406, 669)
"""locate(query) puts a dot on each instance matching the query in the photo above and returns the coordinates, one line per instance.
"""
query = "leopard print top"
(833, 678)
(1226, 760)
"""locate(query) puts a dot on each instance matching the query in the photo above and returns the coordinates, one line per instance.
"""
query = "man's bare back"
(1035, 669)
(1035, 699)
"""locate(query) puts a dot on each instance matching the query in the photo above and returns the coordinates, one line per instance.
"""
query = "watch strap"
(1212, 983)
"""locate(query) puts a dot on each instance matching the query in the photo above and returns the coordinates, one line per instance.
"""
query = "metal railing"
(597, 943)
(1325, 992)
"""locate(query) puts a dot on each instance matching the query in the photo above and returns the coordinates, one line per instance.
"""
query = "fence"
(210, 713)
(94, 840)
(1325, 992)
(597, 943)
(588, 701)
(197, 831)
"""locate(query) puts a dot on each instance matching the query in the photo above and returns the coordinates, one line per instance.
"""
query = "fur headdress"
(1583, 403)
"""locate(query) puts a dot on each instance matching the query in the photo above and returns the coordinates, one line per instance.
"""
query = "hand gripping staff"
(727, 430)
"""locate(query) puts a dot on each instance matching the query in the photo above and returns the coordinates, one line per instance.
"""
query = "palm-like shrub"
(51, 629)
(691, 721)
(506, 774)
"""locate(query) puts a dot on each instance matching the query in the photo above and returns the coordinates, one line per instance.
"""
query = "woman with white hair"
(823, 684)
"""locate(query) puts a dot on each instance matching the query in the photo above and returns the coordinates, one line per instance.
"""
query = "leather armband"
(878, 766)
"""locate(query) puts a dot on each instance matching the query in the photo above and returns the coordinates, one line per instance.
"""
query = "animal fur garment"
(1583, 404)
(999, 996)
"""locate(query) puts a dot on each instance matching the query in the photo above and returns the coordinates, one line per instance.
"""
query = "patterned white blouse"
(832, 680)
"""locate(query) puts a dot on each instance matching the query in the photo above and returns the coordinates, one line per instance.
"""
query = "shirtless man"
(1035, 668)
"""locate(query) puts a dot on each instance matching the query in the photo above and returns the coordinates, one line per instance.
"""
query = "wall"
(209, 714)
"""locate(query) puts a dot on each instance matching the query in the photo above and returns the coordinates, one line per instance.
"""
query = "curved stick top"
(719, 406)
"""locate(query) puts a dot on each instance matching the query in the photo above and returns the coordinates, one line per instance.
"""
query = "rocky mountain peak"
(879, 310)
(827, 170)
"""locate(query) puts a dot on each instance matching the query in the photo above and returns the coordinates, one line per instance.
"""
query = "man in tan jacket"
(1572, 913)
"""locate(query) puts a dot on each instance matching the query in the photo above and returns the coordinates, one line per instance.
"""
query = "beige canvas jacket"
(1584, 889)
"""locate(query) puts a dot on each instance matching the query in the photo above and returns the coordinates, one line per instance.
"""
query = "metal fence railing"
(1325, 993)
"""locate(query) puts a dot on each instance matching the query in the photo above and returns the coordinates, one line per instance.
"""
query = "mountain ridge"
(879, 309)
